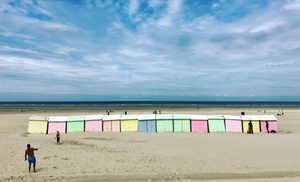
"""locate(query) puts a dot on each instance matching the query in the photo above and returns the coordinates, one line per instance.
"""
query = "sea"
(151, 105)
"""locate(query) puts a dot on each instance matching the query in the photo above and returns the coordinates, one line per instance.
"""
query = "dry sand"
(134, 156)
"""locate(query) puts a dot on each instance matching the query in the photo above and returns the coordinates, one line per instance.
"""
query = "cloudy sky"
(149, 50)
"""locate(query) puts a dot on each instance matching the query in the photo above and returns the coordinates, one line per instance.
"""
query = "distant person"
(250, 127)
(57, 137)
(31, 159)
(267, 126)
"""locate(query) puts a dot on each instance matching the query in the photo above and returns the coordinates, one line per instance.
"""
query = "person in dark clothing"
(250, 127)
(267, 126)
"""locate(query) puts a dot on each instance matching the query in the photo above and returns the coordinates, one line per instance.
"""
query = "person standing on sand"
(57, 137)
(250, 127)
(267, 126)
(31, 159)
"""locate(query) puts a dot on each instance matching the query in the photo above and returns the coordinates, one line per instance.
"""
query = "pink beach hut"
(111, 123)
(272, 122)
(199, 123)
(93, 122)
(233, 123)
(57, 123)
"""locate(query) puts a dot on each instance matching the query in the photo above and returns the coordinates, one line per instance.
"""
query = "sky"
(111, 50)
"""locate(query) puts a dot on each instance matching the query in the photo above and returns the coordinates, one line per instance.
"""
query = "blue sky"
(149, 50)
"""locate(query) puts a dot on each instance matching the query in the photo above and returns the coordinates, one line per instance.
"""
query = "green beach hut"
(75, 123)
(216, 123)
(182, 122)
(164, 123)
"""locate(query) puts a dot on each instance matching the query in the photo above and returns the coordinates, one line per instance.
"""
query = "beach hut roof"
(181, 116)
(164, 116)
(146, 117)
(267, 117)
(76, 118)
(234, 117)
(111, 117)
(195, 117)
(38, 118)
(129, 117)
(251, 117)
(94, 117)
(215, 117)
(57, 118)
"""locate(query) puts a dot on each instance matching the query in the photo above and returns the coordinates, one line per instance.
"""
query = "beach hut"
(57, 123)
(93, 122)
(38, 124)
(164, 123)
(129, 122)
(199, 123)
(182, 122)
(216, 123)
(272, 123)
(147, 123)
(233, 123)
(75, 123)
(111, 123)
(255, 122)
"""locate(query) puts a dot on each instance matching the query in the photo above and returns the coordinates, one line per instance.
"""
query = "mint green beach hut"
(75, 123)
(164, 123)
(216, 123)
(182, 122)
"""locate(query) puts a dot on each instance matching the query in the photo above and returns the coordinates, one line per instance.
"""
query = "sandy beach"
(135, 156)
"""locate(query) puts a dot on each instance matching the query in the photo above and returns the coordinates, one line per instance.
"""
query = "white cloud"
(292, 5)
(133, 6)
(267, 26)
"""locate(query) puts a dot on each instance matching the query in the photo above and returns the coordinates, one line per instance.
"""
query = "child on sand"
(57, 137)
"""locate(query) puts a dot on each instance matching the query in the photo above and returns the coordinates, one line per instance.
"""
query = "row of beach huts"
(151, 123)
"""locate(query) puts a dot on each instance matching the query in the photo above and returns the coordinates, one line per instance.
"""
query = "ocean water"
(98, 105)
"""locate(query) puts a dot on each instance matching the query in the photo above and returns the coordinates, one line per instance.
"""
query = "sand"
(134, 156)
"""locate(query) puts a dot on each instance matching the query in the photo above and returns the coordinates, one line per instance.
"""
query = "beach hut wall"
(272, 122)
(111, 123)
(38, 124)
(164, 123)
(199, 123)
(255, 123)
(182, 122)
(57, 123)
(147, 123)
(233, 123)
(75, 123)
(129, 122)
(93, 122)
(216, 123)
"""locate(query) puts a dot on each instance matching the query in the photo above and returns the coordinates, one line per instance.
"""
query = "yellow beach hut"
(129, 122)
(38, 124)
(255, 123)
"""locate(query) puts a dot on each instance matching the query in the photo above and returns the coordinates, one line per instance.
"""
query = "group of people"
(29, 153)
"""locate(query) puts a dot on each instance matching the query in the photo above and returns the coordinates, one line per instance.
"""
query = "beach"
(136, 156)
